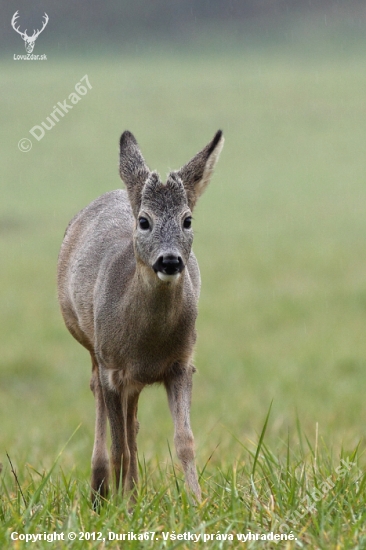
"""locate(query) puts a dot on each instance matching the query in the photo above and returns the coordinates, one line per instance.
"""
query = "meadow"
(280, 235)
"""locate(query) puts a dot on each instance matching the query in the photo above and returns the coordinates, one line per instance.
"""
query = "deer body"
(128, 289)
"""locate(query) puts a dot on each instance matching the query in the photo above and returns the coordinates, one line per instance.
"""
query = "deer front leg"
(100, 460)
(132, 429)
(179, 390)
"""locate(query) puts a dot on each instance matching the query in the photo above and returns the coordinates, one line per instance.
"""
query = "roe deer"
(128, 286)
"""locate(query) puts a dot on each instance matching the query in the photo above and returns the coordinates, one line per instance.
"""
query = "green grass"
(280, 238)
(316, 499)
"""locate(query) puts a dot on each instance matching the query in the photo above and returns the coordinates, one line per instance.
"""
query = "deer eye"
(144, 223)
(187, 222)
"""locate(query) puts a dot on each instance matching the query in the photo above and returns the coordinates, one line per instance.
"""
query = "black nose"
(169, 264)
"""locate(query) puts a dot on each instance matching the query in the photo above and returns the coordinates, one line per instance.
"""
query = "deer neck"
(164, 300)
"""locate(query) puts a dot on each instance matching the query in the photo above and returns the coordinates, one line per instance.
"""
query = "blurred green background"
(280, 234)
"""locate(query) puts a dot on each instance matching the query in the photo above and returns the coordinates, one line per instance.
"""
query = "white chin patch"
(168, 278)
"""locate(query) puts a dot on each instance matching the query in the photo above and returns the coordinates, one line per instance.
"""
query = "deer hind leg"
(100, 460)
(179, 390)
(116, 404)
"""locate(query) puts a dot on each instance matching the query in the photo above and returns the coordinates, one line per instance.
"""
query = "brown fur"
(137, 320)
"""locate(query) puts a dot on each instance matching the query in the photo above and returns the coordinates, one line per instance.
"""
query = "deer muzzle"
(168, 265)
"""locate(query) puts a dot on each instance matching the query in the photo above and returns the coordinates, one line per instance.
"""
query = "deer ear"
(196, 174)
(133, 169)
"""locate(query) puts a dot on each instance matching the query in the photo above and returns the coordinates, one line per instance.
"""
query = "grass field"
(281, 240)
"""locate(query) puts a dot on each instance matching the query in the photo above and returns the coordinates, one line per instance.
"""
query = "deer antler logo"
(28, 40)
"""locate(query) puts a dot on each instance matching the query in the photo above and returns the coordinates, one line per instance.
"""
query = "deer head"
(163, 211)
(28, 40)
